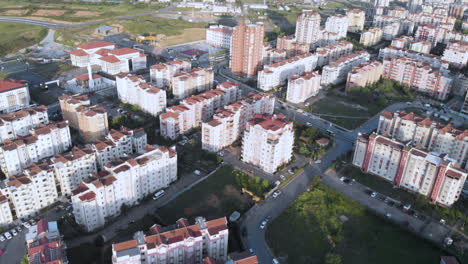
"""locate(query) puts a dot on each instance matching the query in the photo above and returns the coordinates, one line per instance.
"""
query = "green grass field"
(16, 36)
(217, 196)
(315, 230)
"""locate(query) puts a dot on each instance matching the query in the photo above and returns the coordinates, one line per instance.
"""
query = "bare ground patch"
(14, 12)
(86, 14)
(48, 12)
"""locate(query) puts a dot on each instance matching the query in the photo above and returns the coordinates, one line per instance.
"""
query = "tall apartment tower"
(247, 48)
(308, 27)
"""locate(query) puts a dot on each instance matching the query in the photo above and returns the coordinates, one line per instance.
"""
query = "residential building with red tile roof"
(246, 48)
(45, 245)
(364, 74)
(124, 181)
(268, 141)
(332, 52)
(14, 95)
(337, 70)
(163, 73)
(195, 81)
(132, 89)
(302, 87)
(183, 243)
(19, 123)
(219, 36)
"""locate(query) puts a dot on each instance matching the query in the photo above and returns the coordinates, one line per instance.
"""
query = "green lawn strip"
(315, 230)
(217, 196)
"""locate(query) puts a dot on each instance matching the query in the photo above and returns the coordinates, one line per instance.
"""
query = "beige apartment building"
(162, 74)
(197, 80)
(364, 74)
(308, 27)
(333, 52)
(371, 37)
(302, 87)
(247, 48)
(291, 46)
(356, 20)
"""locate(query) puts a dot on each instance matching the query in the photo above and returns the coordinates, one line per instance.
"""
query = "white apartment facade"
(14, 95)
(268, 142)
(356, 20)
(134, 90)
(333, 52)
(229, 123)
(456, 53)
(219, 36)
(307, 27)
(6, 216)
(337, 70)
(302, 87)
(102, 195)
(43, 142)
(371, 37)
(337, 24)
(198, 80)
(162, 74)
(186, 244)
(19, 123)
(364, 74)
(278, 73)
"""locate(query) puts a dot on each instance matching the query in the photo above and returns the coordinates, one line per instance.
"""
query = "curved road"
(45, 23)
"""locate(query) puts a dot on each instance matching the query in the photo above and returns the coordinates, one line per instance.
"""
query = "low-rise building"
(20, 123)
(198, 80)
(111, 59)
(456, 53)
(371, 37)
(86, 83)
(132, 89)
(219, 36)
(431, 174)
(103, 194)
(162, 74)
(418, 76)
(45, 244)
(14, 95)
(229, 123)
(43, 142)
(302, 87)
(337, 70)
(183, 243)
(278, 73)
(268, 142)
(364, 74)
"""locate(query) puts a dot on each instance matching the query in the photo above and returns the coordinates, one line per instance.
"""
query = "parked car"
(14, 232)
(282, 177)
(7, 235)
(2, 238)
(251, 251)
(373, 194)
(406, 207)
(308, 124)
(276, 194)
(18, 228)
(26, 224)
(158, 195)
(275, 261)
(263, 224)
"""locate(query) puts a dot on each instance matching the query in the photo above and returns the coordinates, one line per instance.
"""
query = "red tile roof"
(79, 52)
(110, 59)
(123, 51)
(85, 77)
(7, 85)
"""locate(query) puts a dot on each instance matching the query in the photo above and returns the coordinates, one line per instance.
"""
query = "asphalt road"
(46, 23)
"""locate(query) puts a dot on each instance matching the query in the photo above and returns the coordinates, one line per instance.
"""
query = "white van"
(158, 195)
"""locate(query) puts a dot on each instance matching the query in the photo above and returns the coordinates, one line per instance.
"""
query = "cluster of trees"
(254, 184)
(305, 141)
(126, 121)
(381, 93)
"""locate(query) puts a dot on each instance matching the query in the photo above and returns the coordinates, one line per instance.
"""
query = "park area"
(325, 226)
(353, 108)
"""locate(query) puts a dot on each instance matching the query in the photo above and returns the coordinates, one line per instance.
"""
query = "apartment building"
(71, 168)
(192, 111)
(456, 53)
(278, 73)
(14, 95)
(182, 243)
(219, 36)
(111, 59)
(391, 30)
(118, 144)
(402, 42)
(268, 142)
(431, 33)
(371, 37)
(30, 191)
(356, 19)
(337, 24)
(43, 142)
(132, 89)
(307, 27)
(333, 52)
(364, 74)
(291, 46)
(326, 38)
(419, 131)
(272, 55)
(229, 123)
(337, 70)
(427, 18)
(45, 244)
(246, 48)
(20, 123)
(418, 76)
(197, 80)
(6, 216)
(90, 120)
(162, 74)
(431, 174)
(101, 195)
(381, 3)
(433, 60)
(302, 87)
(423, 46)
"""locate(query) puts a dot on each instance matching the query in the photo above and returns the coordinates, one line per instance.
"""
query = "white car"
(158, 195)
(14, 232)
(7, 235)
(282, 177)
(276, 194)
(308, 124)
(26, 224)
(2, 238)
(263, 224)
(373, 194)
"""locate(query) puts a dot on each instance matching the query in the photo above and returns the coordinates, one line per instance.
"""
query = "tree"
(25, 260)
(331, 258)
(265, 185)
(3, 76)
(124, 208)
